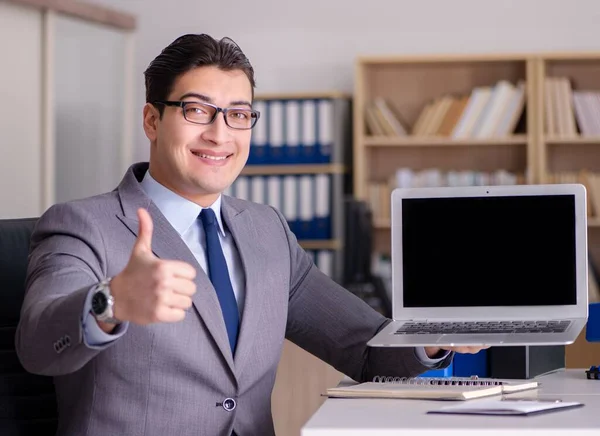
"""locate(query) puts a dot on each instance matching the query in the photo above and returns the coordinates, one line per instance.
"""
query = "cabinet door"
(20, 111)
(89, 97)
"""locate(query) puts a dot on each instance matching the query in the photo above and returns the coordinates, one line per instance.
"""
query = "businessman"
(161, 307)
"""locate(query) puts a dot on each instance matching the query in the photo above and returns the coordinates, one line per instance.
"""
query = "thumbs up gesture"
(149, 289)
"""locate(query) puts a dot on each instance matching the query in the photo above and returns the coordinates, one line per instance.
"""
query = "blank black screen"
(489, 251)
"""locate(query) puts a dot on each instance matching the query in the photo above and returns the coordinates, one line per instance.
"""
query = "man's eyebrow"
(207, 99)
(240, 103)
(202, 97)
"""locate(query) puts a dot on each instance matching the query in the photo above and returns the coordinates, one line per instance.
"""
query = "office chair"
(27, 401)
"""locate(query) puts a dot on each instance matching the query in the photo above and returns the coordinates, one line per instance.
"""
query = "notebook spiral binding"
(437, 381)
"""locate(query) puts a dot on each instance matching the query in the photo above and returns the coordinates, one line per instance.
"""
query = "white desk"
(398, 417)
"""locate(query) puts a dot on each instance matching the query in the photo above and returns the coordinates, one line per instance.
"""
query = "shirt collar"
(180, 212)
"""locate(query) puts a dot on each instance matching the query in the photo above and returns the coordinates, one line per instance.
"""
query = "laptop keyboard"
(470, 327)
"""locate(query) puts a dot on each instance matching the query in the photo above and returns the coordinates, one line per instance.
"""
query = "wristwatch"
(103, 302)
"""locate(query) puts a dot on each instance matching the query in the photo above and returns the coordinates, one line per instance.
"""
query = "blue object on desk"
(446, 372)
(592, 329)
(467, 365)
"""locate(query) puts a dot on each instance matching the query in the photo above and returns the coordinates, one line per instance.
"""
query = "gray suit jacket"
(170, 379)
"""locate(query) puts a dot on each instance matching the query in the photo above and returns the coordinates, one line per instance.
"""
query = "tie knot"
(208, 217)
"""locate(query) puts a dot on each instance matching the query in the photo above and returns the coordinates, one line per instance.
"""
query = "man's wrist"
(103, 306)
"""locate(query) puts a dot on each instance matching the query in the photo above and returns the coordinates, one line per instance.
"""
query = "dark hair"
(188, 52)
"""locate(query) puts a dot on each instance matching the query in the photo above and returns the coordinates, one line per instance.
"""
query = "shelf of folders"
(297, 164)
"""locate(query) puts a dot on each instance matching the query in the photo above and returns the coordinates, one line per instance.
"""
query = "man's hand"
(432, 352)
(150, 289)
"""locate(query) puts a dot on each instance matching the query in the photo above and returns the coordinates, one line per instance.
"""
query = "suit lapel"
(253, 255)
(167, 244)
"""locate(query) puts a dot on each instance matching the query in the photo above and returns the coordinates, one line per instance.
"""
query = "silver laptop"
(491, 265)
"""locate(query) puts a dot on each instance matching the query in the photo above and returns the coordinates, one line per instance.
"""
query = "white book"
(322, 189)
(309, 131)
(479, 98)
(290, 198)
(511, 116)
(292, 128)
(274, 192)
(259, 132)
(276, 134)
(307, 207)
(496, 107)
(326, 122)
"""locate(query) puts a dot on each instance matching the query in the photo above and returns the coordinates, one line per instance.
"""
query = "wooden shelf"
(572, 140)
(382, 224)
(437, 141)
(316, 244)
(253, 170)
(593, 222)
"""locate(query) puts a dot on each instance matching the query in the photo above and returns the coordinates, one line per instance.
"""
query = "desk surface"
(353, 417)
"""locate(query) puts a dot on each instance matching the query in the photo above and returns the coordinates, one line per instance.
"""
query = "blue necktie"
(219, 275)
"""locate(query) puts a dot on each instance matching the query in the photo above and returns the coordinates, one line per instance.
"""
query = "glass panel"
(89, 75)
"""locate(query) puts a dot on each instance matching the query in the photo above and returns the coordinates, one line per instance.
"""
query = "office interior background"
(72, 93)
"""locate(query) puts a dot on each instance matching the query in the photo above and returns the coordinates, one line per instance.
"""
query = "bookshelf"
(556, 140)
(412, 85)
(299, 163)
(568, 129)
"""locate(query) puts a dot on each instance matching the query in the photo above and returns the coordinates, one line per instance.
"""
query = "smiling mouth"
(206, 156)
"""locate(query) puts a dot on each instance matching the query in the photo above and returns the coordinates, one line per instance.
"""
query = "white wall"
(20, 112)
(310, 45)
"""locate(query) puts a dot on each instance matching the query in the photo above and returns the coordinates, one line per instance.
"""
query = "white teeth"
(211, 157)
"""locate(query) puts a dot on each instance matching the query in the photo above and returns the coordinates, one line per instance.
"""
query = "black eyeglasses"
(196, 112)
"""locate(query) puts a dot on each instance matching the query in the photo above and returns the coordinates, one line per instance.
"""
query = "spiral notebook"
(431, 388)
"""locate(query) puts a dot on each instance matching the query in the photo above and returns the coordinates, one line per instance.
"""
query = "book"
(508, 407)
(432, 388)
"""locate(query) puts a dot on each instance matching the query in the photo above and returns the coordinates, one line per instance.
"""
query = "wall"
(311, 45)
(20, 112)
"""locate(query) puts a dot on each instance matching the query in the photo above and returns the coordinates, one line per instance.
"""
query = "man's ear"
(151, 119)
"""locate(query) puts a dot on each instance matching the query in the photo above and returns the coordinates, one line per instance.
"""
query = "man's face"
(199, 161)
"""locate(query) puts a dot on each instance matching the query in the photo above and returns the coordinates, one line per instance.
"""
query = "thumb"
(144, 239)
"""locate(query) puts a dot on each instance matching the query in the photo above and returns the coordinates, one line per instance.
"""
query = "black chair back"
(27, 401)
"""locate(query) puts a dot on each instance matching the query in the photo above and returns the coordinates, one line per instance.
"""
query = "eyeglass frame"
(183, 103)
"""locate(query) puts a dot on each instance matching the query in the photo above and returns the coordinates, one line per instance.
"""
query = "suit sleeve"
(67, 258)
(334, 325)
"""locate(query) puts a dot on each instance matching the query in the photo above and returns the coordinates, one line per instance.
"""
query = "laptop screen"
(489, 251)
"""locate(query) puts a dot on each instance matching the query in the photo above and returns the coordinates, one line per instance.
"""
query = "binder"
(325, 131)
(290, 202)
(292, 132)
(259, 138)
(257, 194)
(306, 211)
(309, 132)
(323, 206)
(274, 192)
(276, 133)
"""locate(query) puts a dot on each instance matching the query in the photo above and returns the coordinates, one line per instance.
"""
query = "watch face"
(99, 303)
